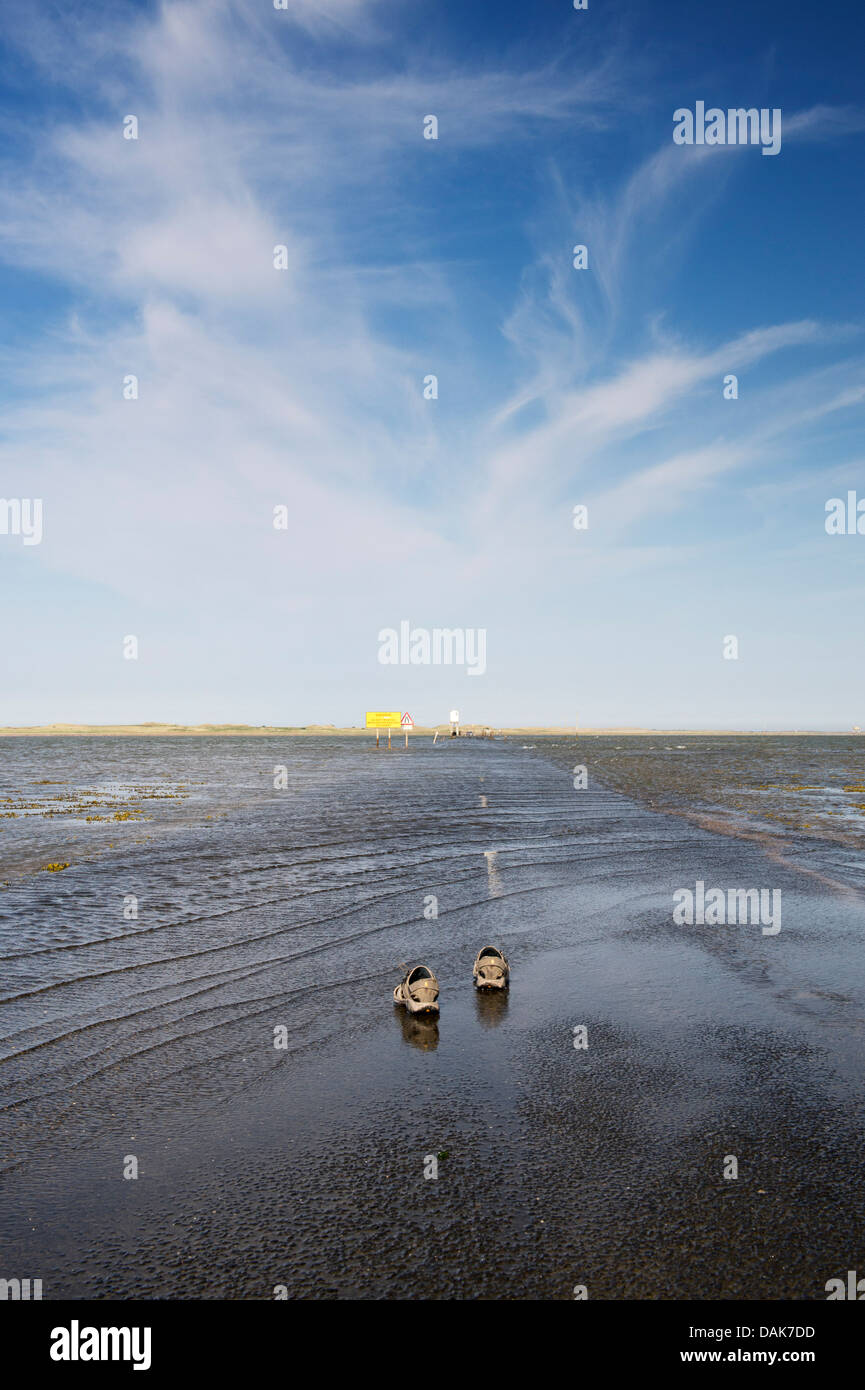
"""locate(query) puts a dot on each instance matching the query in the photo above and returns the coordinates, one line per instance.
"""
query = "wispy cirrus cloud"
(824, 122)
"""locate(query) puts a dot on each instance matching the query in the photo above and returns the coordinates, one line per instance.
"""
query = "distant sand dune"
(319, 730)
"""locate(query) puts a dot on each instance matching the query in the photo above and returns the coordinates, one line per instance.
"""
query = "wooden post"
(388, 739)
(376, 738)
(406, 739)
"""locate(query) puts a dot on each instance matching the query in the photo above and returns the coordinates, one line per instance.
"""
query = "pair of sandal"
(418, 991)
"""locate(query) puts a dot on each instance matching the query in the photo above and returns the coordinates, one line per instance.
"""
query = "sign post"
(383, 719)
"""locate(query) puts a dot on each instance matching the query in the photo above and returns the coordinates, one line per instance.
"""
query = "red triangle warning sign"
(406, 722)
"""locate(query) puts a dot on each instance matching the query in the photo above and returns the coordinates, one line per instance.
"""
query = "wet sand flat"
(262, 1168)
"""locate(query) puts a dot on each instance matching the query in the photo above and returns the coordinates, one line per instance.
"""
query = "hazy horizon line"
(153, 727)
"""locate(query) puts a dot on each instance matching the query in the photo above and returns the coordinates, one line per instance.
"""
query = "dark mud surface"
(303, 1166)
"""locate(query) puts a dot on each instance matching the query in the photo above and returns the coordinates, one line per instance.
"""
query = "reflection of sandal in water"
(491, 970)
(419, 991)
(422, 1030)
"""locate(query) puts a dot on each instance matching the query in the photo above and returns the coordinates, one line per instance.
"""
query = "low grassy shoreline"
(332, 731)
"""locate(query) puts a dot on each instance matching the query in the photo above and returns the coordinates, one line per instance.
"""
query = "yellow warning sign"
(390, 719)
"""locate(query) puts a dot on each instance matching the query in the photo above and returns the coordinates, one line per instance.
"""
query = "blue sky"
(406, 256)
